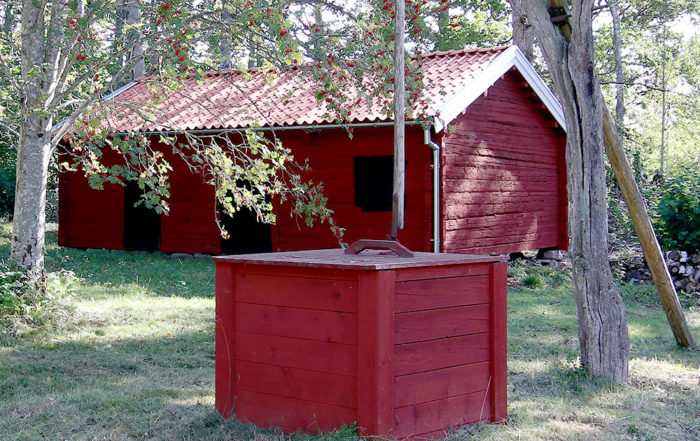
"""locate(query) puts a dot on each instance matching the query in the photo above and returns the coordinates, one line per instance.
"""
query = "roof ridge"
(256, 69)
(465, 51)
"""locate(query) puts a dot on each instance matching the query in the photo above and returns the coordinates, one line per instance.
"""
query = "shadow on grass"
(125, 387)
(109, 272)
(146, 388)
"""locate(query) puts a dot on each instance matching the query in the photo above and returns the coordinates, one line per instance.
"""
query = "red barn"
(496, 183)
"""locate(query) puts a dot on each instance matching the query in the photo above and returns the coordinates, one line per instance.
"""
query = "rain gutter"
(427, 140)
(311, 127)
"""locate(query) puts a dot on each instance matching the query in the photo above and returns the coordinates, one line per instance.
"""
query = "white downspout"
(437, 222)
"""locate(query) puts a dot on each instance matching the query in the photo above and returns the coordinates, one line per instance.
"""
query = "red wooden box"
(404, 347)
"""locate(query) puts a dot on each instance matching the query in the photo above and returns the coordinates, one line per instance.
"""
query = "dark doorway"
(246, 234)
(141, 224)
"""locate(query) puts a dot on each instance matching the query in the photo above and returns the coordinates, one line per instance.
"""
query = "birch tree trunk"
(602, 322)
(34, 150)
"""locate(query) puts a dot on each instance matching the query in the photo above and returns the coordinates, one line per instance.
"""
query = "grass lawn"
(135, 361)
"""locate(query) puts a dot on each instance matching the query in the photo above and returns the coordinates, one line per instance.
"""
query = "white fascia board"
(457, 103)
(106, 98)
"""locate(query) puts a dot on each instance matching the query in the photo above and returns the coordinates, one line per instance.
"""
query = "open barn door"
(246, 234)
(141, 224)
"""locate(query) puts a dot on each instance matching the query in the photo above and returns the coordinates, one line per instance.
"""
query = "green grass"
(135, 361)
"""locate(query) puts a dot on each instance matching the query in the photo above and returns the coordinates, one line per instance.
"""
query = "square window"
(374, 182)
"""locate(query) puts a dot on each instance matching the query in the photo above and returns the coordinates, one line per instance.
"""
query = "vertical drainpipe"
(427, 140)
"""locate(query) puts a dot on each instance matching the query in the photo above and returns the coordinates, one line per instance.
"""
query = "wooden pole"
(399, 120)
(640, 218)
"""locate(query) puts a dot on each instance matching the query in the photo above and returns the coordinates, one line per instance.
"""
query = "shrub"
(22, 304)
(533, 282)
(677, 217)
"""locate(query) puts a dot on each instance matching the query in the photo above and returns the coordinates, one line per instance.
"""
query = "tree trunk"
(133, 15)
(619, 72)
(663, 104)
(28, 223)
(602, 322)
(523, 34)
(34, 150)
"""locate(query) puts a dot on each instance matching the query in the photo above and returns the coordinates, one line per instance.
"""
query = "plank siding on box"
(328, 326)
(435, 324)
(291, 414)
(332, 295)
(419, 295)
(442, 383)
(503, 175)
(435, 416)
(333, 358)
(439, 354)
(403, 350)
(301, 384)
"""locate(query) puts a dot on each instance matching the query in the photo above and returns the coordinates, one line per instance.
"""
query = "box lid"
(367, 260)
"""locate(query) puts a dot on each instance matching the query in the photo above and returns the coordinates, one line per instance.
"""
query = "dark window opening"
(141, 224)
(374, 182)
(246, 233)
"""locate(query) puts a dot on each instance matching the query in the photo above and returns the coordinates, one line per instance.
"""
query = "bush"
(533, 282)
(22, 304)
(677, 217)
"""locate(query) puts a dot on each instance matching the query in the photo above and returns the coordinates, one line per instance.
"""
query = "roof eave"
(511, 57)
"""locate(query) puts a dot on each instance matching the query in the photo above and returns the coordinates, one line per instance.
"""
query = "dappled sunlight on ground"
(136, 361)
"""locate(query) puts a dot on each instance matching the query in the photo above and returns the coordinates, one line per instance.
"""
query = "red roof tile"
(232, 99)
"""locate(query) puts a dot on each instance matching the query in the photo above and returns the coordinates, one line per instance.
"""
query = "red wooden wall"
(330, 154)
(190, 225)
(503, 187)
(504, 175)
(89, 218)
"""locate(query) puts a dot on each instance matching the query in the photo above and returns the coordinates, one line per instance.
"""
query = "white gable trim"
(457, 103)
(106, 98)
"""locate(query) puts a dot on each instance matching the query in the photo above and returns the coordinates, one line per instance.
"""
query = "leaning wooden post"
(638, 211)
(399, 120)
(645, 232)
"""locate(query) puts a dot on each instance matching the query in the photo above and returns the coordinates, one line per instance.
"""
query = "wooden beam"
(640, 218)
(399, 121)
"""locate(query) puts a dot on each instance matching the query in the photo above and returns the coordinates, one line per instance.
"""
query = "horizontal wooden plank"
(441, 323)
(500, 231)
(498, 197)
(290, 414)
(302, 384)
(442, 383)
(329, 326)
(515, 219)
(464, 159)
(332, 358)
(442, 414)
(457, 211)
(442, 272)
(437, 354)
(300, 292)
(504, 248)
(502, 240)
(419, 295)
(477, 178)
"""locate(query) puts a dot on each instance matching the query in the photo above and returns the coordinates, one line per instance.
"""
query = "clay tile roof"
(231, 99)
